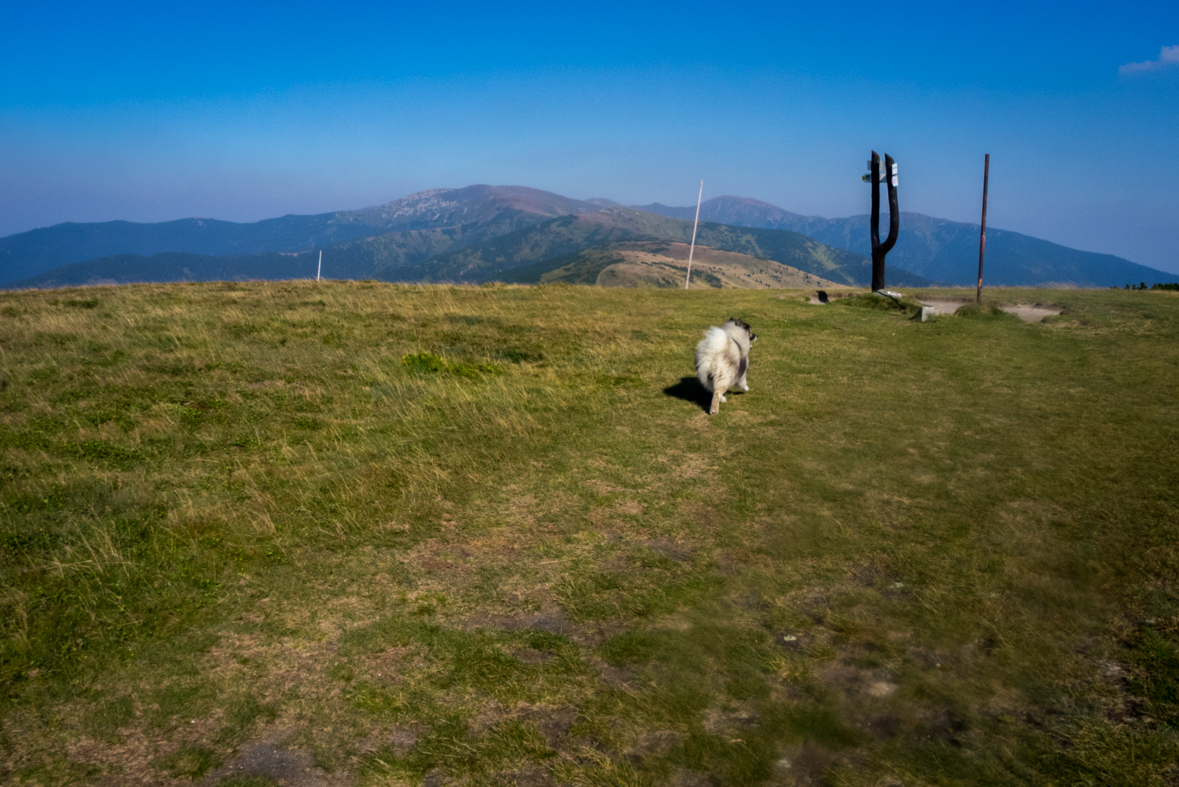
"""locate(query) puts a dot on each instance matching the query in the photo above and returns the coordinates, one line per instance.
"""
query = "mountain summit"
(474, 204)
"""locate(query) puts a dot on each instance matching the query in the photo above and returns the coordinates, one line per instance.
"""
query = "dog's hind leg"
(744, 369)
(718, 396)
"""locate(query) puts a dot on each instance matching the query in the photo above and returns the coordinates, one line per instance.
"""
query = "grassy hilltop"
(358, 533)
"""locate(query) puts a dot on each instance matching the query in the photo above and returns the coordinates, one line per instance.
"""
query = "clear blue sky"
(240, 111)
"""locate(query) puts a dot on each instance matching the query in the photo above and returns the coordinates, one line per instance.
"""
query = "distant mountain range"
(475, 234)
(482, 233)
(467, 216)
(937, 249)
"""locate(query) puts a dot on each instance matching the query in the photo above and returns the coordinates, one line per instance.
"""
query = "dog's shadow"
(690, 390)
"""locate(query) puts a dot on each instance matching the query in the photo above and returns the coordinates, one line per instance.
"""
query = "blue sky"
(244, 111)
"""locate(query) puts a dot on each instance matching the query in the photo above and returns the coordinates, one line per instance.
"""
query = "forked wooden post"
(692, 249)
(879, 250)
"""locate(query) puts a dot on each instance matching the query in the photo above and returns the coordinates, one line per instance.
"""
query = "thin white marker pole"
(319, 267)
(692, 250)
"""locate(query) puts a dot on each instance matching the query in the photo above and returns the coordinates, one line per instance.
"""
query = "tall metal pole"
(319, 267)
(692, 250)
(982, 238)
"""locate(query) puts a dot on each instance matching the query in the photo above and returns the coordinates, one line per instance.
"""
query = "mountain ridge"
(460, 254)
(462, 234)
(496, 209)
(938, 249)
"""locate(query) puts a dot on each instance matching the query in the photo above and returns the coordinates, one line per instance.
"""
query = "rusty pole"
(874, 226)
(982, 240)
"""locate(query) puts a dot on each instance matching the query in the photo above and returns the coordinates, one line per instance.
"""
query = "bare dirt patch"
(127, 762)
(1026, 312)
(1035, 313)
(945, 307)
(603, 487)
(550, 619)
(681, 552)
(286, 766)
(665, 265)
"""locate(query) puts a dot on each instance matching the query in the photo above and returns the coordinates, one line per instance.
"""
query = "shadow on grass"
(690, 390)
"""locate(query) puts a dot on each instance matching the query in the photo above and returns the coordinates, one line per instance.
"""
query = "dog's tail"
(714, 344)
(715, 341)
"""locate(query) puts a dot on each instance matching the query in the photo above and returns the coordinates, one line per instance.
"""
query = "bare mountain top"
(663, 264)
(479, 203)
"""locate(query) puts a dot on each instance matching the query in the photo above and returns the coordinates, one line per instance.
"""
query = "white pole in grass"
(692, 250)
(319, 267)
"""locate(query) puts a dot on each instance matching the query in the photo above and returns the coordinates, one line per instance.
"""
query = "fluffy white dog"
(722, 359)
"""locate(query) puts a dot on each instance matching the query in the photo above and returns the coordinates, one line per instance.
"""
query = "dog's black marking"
(742, 324)
(741, 367)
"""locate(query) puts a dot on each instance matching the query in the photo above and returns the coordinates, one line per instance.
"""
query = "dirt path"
(1034, 313)
(1026, 312)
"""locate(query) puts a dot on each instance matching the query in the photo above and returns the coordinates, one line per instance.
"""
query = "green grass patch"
(488, 535)
(429, 363)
